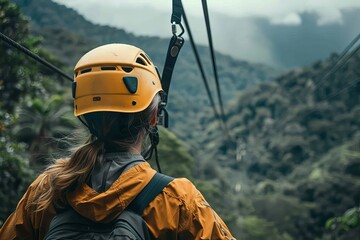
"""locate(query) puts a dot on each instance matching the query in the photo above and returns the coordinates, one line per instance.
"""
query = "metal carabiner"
(173, 28)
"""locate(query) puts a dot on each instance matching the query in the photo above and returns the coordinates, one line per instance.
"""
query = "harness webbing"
(177, 10)
(176, 42)
(151, 190)
(175, 45)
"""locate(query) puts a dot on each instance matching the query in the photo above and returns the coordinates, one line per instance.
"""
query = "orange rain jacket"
(178, 212)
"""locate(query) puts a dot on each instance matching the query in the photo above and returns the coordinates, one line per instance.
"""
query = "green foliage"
(345, 223)
(287, 213)
(350, 219)
(14, 25)
(39, 125)
(260, 229)
(347, 158)
(20, 76)
(15, 174)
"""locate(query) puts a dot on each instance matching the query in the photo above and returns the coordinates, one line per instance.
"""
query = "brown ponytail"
(64, 175)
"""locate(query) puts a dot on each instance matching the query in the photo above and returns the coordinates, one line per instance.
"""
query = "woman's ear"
(153, 120)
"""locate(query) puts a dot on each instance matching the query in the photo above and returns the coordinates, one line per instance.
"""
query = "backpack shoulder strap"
(151, 190)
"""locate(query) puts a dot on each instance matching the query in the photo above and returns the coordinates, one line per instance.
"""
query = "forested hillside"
(298, 149)
(292, 161)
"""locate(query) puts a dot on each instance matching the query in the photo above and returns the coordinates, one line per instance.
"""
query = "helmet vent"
(85, 71)
(146, 58)
(140, 61)
(127, 69)
(108, 68)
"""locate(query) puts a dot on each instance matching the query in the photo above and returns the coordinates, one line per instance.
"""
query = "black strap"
(176, 42)
(177, 11)
(175, 45)
(151, 190)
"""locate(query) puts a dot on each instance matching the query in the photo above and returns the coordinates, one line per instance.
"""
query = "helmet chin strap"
(154, 141)
(91, 129)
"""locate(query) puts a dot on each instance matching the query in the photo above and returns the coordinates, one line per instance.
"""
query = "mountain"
(301, 45)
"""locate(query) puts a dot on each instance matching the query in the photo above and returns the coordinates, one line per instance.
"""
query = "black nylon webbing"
(174, 48)
(173, 52)
(151, 190)
(177, 11)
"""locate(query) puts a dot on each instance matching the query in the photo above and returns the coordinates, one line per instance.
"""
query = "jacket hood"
(106, 206)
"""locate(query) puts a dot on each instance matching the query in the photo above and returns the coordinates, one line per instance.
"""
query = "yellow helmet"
(114, 78)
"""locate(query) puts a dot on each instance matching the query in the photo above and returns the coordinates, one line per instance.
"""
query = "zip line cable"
(197, 57)
(342, 55)
(339, 64)
(333, 70)
(207, 21)
(34, 56)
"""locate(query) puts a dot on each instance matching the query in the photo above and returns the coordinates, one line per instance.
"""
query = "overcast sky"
(145, 17)
(278, 11)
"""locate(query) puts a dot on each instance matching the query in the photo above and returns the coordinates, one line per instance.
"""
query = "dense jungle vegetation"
(291, 169)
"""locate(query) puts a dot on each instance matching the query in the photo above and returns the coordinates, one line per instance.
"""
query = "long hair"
(111, 131)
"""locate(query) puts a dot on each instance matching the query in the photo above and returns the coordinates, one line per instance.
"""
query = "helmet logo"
(96, 99)
(131, 83)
